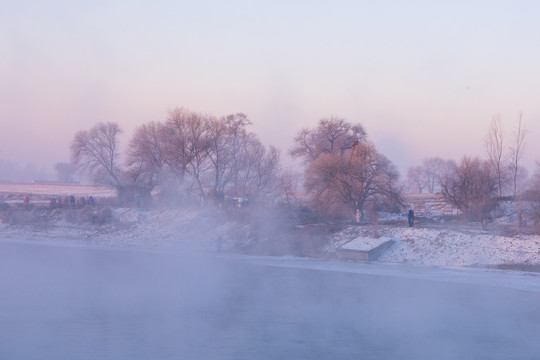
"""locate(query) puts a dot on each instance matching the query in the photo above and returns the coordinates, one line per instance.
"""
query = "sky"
(425, 78)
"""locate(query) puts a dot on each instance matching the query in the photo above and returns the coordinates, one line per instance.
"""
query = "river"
(62, 302)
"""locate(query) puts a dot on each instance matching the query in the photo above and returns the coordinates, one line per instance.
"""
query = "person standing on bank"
(411, 218)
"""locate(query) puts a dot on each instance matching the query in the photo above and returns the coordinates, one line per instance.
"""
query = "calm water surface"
(81, 303)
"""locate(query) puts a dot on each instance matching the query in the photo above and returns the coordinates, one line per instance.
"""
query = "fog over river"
(60, 302)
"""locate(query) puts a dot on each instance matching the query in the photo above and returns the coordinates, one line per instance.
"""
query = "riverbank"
(212, 231)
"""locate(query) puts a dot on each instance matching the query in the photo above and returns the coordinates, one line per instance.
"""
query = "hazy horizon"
(425, 79)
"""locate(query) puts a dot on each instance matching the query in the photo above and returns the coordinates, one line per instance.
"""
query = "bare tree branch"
(495, 149)
(95, 151)
(516, 152)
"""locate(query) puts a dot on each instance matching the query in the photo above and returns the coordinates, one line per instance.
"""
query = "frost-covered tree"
(426, 176)
(532, 196)
(146, 158)
(259, 172)
(333, 135)
(472, 187)
(516, 152)
(433, 169)
(96, 153)
(494, 143)
(343, 184)
(416, 179)
(178, 150)
(206, 155)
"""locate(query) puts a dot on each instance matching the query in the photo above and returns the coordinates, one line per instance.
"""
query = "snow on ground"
(441, 246)
(133, 227)
(429, 205)
(364, 243)
(166, 228)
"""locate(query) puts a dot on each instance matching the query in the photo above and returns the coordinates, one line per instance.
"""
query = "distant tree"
(433, 169)
(95, 152)
(259, 173)
(197, 153)
(146, 158)
(472, 187)
(65, 172)
(289, 185)
(532, 195)
(333, 135)
(199, 132)
(238, 137)
(494, 143)
(522, 181)
(178, 153)
(516, 153)
(217, 155)
(226, 150)
(427, 176)
(416, 179)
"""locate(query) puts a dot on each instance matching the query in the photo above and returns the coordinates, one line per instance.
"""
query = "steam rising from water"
(81, 303)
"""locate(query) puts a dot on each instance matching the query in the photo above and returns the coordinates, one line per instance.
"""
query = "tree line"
(191, 156)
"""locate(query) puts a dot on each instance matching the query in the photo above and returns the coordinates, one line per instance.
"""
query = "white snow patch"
(441, 247)
(364, 243)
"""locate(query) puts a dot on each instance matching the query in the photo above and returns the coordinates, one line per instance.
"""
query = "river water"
(59, 302)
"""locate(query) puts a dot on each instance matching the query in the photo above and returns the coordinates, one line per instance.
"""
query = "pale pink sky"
(425, 79)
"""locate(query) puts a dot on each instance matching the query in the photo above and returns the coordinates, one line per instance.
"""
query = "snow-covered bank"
(212, 231)
(133, 227)
(442, 246)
